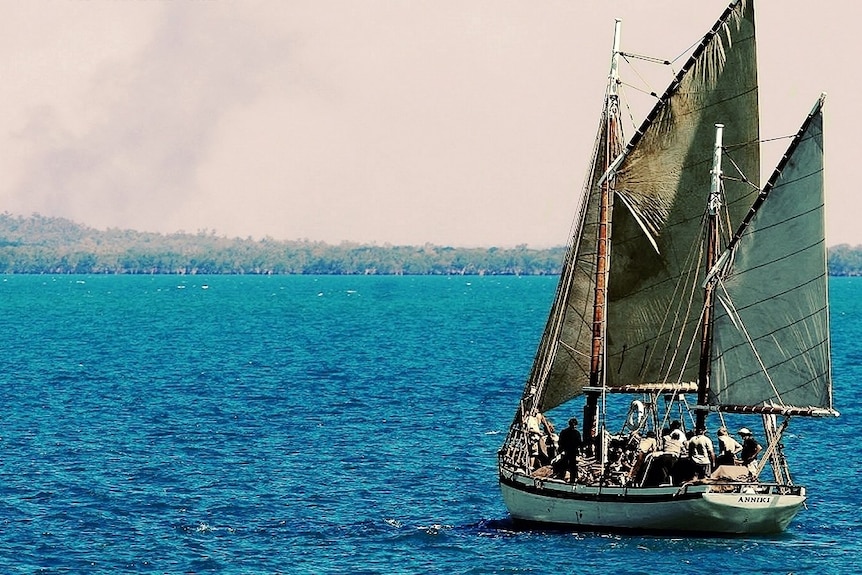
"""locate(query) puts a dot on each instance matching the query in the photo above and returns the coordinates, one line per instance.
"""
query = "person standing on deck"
(750, 450)
(570, 445)
(647, 446)
(664, 462)
(701, 453)
(728, 447)
(538, 427)
(674, 442)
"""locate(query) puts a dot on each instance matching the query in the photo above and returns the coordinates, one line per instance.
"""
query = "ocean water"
(236, 424)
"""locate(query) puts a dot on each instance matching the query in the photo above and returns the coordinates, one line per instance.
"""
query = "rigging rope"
(628, 108)
(731, 310)
(641, 90)
(694, 260)
(642, 79)
(687, 50)
(628, 55)
(742, 177)
(767, 140)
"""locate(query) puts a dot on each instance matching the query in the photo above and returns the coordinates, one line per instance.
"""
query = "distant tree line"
(45, 245)
(845, 260)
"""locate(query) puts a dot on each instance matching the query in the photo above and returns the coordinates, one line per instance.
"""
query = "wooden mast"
(713, 207)
(597, 352)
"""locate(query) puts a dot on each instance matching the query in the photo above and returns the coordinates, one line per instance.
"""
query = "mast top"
(614, 76)
(715, 187)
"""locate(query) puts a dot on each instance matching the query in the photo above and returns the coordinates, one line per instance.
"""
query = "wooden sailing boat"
(683, 280)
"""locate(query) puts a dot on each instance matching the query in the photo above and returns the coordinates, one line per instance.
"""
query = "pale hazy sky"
(455, 122)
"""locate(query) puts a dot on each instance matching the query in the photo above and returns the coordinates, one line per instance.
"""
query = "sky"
(452, 122)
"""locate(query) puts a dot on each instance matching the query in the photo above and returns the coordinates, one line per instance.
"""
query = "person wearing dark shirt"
(569, 445)
(750, 450)
(728, 447)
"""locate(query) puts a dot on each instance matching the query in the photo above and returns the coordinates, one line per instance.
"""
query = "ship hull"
(754, 508)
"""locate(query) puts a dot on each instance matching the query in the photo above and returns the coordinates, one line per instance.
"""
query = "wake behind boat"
(690, 297)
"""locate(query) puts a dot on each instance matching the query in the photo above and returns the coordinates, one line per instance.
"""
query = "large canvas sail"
(661, 192)
(667, 160)
(772, 322)
(562, 365)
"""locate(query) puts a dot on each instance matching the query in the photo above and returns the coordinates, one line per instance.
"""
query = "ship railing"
(753, 488)
(508, 466)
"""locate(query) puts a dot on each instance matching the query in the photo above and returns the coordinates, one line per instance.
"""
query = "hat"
(745, 431)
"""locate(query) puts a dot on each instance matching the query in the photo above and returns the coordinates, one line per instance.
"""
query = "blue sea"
(331, 424)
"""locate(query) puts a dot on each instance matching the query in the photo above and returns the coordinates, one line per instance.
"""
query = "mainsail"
(658, 205)
(657, 265)
(772, 323)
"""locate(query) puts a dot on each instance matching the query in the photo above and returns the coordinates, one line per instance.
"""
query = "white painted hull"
(694, 508)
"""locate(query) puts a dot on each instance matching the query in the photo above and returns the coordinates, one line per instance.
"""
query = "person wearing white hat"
(750, 449)
(728, 447)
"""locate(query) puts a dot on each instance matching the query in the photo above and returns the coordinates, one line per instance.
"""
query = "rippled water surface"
(232, 424)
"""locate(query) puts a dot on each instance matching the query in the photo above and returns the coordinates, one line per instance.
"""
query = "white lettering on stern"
(754, 499)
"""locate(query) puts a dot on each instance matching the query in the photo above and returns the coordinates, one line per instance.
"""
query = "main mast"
(713, 207)
(597, 353)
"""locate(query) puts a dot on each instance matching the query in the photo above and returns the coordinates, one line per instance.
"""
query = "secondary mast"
(597, 354)
(713, 207)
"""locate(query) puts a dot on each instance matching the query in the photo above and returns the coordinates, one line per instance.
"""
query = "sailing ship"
(688, 292)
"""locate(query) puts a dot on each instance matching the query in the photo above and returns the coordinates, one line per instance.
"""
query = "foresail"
(660, 194)
(562, 365)
(771, 321)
